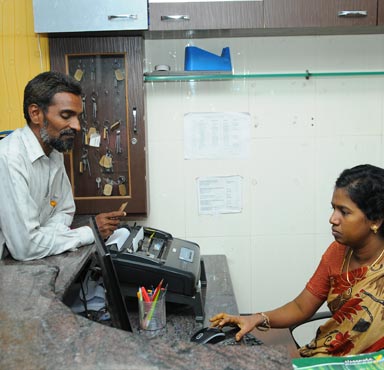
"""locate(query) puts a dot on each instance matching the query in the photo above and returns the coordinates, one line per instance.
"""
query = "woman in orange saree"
(350, 276)
(356, 301)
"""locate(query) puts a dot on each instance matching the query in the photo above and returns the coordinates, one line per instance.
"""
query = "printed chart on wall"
(217, 135)
(219, 194)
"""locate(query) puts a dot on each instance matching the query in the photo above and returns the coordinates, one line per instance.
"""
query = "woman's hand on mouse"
(245, 323)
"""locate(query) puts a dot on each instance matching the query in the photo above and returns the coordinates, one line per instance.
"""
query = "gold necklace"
(347, 267)
(372, 264)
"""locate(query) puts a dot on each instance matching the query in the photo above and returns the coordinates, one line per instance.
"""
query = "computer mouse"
(208, 335)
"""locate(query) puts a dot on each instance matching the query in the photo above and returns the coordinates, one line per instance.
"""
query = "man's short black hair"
(42, 88)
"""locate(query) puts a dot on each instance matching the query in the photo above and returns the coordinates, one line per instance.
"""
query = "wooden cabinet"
(207, 15)
(85, 15)
(319, 13)
(380, 13)
(248, 18)
(107, 165)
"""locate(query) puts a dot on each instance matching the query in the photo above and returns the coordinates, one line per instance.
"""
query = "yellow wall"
(23, 54)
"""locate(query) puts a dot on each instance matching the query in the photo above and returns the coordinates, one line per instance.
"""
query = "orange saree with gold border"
(356, 302)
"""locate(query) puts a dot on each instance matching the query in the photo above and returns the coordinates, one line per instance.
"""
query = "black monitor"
(115, 301)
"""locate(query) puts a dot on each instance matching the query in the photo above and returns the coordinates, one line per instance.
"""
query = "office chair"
(3, 134)
(320, 315)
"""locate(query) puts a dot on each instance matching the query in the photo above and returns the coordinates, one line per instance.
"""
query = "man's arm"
(32, 227)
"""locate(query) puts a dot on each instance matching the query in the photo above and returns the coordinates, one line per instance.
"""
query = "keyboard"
(247, 340)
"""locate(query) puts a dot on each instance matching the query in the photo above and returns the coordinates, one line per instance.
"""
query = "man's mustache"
(69, 132)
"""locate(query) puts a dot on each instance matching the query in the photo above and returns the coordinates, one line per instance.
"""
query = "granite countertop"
(38, 331)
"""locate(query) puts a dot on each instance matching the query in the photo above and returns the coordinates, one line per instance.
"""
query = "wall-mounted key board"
(107, 165)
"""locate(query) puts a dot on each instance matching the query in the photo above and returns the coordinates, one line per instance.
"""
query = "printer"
(149, 255)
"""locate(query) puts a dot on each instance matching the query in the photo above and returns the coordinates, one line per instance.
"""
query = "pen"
(158, 287)
(152, 310)
(164, 290)
(145, 295)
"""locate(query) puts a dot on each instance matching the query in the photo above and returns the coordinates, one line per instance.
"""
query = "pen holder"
(152, 315)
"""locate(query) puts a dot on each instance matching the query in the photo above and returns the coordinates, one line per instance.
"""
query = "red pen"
(158, 288)
(145, 295)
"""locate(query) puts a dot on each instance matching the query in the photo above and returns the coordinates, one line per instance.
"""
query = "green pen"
(152, 310)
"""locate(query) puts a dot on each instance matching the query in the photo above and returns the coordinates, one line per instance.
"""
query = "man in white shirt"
(36, 201)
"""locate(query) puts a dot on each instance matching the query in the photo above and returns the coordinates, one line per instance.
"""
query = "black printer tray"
(135, 271)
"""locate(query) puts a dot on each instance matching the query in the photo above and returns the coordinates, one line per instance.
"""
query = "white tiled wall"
(304, 133)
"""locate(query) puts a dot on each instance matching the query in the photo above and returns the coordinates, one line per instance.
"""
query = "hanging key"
(84, 114)
(81, 167)
(106, 130)
(118, 74)
(89, 167)
(106, 162)
(115, 125)
(79, 72)
(94, 106)
(118, 149)
(85, 162)
(84, 134)
(93, 70)
(121, 183)
(108, 187)
(98, 184)
(94, 136)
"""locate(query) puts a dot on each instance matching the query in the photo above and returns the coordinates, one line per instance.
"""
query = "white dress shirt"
(36, 201)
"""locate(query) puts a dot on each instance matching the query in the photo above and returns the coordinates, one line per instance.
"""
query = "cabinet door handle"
(134, 115)
(175, 18)
(352, 13)
(123, 16)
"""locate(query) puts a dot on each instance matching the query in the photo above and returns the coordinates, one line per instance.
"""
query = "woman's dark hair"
(365, 186)
(42, 88)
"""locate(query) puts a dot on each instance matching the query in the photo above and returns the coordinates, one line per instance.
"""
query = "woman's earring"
(374, 228)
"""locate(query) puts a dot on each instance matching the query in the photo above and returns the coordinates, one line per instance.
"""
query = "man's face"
(61, 122)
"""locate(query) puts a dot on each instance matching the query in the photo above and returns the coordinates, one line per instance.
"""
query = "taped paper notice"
(222, 194)
(222, 135)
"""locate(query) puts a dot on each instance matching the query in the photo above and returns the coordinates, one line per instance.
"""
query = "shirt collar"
(33, 147)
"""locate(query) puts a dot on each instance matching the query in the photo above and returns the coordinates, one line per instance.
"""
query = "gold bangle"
(265, 325)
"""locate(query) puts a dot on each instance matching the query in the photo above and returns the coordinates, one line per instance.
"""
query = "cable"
(84, 300)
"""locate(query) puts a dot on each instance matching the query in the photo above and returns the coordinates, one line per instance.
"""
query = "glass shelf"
(220, 75)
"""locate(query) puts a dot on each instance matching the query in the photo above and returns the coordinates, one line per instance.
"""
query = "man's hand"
(107, 223)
